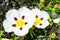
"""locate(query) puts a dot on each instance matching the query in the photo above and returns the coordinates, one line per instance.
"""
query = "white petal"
(30, 21)
(19, 32)
(24, 12)
(36, 11)
(45, 23)
(7, 26)
(44, 15)
(11, 14)
(40, 14)
(56, 20)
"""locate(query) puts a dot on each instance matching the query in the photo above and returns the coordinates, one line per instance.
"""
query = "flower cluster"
(20, 21)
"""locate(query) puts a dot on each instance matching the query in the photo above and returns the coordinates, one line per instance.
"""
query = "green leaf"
(53, 35)
(40, 5)
(1, 32)
(42, 1)
(31, 33)
(40, 36)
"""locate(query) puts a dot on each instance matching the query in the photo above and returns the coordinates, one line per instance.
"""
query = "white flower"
(4, 39)
(18, 21)
(41, 18)
(56, 20)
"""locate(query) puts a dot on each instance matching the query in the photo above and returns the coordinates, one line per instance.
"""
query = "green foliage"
(53, 35)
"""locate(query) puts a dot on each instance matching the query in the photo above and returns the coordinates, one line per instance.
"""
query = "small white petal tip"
(56, 20)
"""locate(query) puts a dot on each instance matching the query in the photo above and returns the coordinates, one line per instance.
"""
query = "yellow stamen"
(37, 21)
(20, 23)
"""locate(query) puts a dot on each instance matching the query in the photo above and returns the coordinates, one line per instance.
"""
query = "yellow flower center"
(37, 21)
(20, 23)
